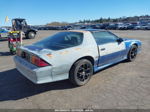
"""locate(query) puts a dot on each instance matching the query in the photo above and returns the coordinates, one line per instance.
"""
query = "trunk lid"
(28, 51)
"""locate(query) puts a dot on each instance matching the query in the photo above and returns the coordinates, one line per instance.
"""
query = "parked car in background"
(145, 27)
(129, 26)
(138, 27)
(74, 55)
(4, 33)
(89, 27)
(141, 27)
(68, 27)
(148, 27)
(121, 26)
(112, 26)
(104, 25)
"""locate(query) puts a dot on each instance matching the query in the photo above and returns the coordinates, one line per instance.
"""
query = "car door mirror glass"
(119, 40)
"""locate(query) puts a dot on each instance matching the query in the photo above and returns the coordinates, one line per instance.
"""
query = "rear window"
(61, 40)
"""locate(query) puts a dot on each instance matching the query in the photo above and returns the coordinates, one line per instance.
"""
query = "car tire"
(30, 35)
(132, 53)
(81, 72)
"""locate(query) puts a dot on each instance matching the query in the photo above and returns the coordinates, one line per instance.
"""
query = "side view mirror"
(119, 40)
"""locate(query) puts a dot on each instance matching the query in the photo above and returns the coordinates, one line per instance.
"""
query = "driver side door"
(110, 50)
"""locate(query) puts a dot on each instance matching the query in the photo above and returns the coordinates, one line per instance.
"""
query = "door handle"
(102, 49)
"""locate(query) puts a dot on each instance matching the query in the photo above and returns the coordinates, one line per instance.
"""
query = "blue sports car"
(74, 55)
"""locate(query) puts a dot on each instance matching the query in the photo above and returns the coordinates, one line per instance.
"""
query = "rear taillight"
(38, 61)
(32, 58)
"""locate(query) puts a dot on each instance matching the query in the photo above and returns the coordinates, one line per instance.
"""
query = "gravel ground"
(122, 86)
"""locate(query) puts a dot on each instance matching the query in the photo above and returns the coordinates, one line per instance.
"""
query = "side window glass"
(104, 37)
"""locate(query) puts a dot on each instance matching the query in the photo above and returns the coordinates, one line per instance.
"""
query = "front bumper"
(37, 75)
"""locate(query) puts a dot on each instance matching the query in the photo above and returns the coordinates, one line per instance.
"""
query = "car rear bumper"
(37, 75)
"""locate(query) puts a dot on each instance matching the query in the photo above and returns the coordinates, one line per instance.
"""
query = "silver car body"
(61, 61)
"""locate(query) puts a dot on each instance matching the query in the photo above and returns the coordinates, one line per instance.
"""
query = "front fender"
(129, 44)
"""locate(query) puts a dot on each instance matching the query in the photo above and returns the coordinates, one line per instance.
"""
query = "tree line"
(103, 20)
(121, 19)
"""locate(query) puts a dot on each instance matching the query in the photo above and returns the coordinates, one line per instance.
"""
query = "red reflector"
(42, 63)
(38, 62)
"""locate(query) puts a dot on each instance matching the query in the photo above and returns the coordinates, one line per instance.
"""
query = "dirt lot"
(125, 85)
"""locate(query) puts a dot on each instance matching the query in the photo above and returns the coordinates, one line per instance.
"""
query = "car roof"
(18, 19)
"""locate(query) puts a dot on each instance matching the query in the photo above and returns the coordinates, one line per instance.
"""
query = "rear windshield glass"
(61, 40)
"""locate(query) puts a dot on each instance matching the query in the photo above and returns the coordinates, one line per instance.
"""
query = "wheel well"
(91, 59)
(131, 46)
(31, 31)
(135, 44)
